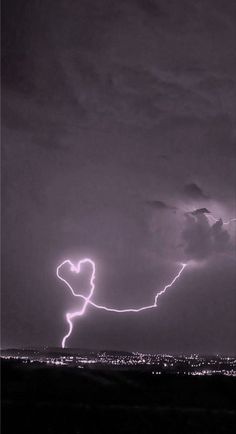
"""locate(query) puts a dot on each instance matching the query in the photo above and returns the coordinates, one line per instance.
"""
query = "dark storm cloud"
(203, 240)
(106, 104)
(150, 7)
(95, 73)
(193, 191)
(200, 211)
(159, 205)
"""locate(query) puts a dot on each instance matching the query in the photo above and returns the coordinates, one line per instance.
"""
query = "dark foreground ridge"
(41, 398)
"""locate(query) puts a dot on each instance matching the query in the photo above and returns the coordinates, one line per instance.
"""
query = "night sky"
(118, 124)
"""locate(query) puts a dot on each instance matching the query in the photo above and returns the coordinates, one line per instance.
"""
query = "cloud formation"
(130, 101)
(193, 191)
(160, 205)
(201, 239)
(200, 211)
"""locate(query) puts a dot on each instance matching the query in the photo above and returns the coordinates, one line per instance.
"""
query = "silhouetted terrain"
(41, 399)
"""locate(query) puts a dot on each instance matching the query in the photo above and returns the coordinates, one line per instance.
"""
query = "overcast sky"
(118, 123)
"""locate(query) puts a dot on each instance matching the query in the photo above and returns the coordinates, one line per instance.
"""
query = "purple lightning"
(73, 268)
(87, 300)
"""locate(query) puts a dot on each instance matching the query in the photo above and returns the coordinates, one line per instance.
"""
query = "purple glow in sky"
(118, 134)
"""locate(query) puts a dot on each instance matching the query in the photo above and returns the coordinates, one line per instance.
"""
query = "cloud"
(193, 191)
(100, 77)
(160, 205)
(200, 211)
(150, 7)
(201, 240)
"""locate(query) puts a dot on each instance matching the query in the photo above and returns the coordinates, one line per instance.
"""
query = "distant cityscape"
(156, 364)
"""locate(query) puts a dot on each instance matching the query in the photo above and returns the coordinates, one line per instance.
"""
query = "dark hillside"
(39, 399)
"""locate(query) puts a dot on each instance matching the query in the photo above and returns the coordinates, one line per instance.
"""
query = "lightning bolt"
(87, 300)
